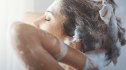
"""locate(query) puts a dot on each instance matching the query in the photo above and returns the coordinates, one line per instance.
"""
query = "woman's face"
(52, 20)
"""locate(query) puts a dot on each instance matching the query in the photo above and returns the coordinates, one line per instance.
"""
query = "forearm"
(75, 58)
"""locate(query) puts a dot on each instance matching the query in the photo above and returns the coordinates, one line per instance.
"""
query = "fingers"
(123, 42)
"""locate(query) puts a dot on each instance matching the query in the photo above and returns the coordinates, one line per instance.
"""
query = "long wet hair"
(83, 20)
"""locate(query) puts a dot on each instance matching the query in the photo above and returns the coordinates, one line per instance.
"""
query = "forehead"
(55, 7)
(55, 10)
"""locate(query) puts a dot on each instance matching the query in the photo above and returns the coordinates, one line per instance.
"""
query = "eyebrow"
(50, 12)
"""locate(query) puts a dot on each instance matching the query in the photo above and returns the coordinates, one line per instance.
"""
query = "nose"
(39, 21)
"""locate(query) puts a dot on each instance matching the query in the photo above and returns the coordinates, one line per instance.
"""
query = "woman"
(66, 26)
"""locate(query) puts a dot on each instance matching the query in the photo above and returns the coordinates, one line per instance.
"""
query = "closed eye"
(48, 16)
(47, 19)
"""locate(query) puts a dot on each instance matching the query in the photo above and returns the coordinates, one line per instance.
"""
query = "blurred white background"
(11, 10)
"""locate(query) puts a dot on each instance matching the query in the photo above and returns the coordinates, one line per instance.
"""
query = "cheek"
(44, 26)
(51, 27)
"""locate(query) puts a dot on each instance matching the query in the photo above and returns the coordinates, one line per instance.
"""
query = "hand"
(75, 44)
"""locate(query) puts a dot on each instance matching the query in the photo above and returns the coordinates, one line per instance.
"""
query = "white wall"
(41, 5)
(10, 10)
(3, 13)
